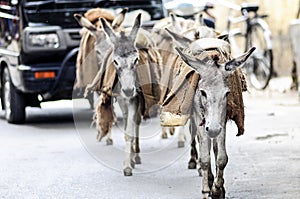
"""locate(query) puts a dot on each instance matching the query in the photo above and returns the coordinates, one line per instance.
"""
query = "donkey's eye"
(136, 61)
(203, 93)
(116, 63)
(98, 52)
(227, 93)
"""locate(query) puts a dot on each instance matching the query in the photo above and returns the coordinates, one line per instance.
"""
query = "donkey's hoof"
(180, 144)
(205, 195)
(98, 137)
(192, 165)
(132, 164)
(138, 160)
(109, 141)
(172, 130)
(164, 136)
(127, 171)
(200, 172)
(217, 193)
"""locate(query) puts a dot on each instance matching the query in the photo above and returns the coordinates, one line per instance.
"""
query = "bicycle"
(256, 33)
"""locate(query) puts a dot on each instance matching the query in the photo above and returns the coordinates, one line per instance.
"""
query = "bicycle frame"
(256, 33)
(250, 22)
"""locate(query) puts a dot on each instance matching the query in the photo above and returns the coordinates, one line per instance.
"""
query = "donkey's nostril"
(207, 129)
(128, 92)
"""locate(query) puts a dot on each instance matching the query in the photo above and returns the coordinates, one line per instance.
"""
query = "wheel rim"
(7, 97)
(261, 71)
(260, 75)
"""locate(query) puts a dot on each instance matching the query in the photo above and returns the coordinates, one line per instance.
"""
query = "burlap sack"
(86, 62)
(148, 73)
(177, 104)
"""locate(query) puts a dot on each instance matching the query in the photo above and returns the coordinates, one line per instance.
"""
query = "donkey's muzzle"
(128, 92)
(213, 132)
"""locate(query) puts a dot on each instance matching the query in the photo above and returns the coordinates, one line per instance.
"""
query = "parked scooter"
(189, 9)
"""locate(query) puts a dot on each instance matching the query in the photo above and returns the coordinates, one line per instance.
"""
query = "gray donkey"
(125, 57)
(209, 58)
(102, 47)
(209, 117)
(191, 30)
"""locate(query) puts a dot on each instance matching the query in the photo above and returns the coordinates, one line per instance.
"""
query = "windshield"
(155, 8)
(54, 12)
(60, 12)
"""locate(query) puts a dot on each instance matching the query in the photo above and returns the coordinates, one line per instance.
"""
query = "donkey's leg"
(181, 136)
(210, 174)
(171, 130)
(194, 155)
(129, 137)
(204, 146)
(137, 150)
(124, 110)
(109, 140)
(199, 169)
(164, 133)
(137, 140)
(218, 190)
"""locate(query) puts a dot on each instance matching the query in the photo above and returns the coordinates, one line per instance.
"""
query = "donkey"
(102, 47)
(125, 57)
(211, 59)
(183, 41)
(209, 117)
(191, 30)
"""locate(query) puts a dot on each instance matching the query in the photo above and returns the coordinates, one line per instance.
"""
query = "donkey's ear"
(84, 22)
(175, 21)
(199, 20)
(236, 62)
(195, 63)
(180, 40)
(119, 19)
(107, 29)
(224, 37)
(136, 26)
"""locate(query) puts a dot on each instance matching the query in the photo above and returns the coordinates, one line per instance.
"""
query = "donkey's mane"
(213, 57)
(127, 52)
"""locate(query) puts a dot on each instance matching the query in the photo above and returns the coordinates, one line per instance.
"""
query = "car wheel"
(14, 102)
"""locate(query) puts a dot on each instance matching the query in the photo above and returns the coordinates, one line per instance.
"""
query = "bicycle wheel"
(260, 66)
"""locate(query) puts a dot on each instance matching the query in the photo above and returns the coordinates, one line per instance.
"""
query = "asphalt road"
(55, 155)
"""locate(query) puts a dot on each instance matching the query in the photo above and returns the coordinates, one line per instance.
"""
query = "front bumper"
(26, 82)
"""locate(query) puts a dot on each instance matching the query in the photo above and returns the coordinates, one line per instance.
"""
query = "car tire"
(14, 101)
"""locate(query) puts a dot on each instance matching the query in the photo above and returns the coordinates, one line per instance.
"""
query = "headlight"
(48, 40)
